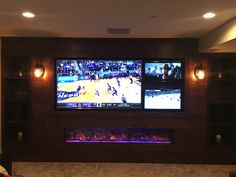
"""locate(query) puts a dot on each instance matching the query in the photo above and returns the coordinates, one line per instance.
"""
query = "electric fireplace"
(119, 135)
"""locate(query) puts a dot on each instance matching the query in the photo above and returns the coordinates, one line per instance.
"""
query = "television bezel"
(166, 110)
(151, 79)
(100, 108)
(145, 83)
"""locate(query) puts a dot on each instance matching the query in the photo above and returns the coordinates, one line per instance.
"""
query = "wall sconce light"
(39, 70)
(199, 72)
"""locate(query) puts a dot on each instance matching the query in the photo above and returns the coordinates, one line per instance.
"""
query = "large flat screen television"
(164, 70)
(98, 84)
(163, 99)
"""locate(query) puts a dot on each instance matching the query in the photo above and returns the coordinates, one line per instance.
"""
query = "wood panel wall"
(47, 140)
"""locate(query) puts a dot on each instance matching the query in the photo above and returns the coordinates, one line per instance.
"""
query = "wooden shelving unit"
(16, 102)
(221, 103)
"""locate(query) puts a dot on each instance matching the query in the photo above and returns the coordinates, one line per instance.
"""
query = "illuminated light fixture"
(199, 72)
(39, 70)
(209, 15)
(28, 14)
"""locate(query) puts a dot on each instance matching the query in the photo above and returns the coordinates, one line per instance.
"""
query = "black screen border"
(94, 108)
(149, 80)
(150, 83)
(145, 83)
(182, 107)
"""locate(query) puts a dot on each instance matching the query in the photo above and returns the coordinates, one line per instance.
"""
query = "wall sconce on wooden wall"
(199, 72)
(39, 70)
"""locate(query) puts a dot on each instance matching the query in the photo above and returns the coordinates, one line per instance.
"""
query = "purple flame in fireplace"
(119, 135)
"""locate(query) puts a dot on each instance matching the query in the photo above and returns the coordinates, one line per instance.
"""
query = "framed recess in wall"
(16, 102)
(221, 103)
(119, 84)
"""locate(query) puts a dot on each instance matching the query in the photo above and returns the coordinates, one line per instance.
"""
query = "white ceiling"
(91, 18)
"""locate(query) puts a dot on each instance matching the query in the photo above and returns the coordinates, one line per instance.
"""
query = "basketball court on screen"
(97, 90)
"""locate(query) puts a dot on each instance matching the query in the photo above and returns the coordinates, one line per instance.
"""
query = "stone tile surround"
(67, 169)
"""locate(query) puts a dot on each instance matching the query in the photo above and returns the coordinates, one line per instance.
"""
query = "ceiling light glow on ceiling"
(209, 15)
(28, 14)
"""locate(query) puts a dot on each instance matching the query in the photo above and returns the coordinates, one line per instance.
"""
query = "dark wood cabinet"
(221, 103)
(16, 102)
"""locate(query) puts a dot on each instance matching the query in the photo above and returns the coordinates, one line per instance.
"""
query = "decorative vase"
(20, 136)
(218, 139)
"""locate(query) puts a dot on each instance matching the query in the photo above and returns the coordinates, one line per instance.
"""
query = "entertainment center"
(51, 119)
(120, 84)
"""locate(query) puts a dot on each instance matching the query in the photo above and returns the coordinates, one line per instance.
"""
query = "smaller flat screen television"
(164, 71)
(98, 84)
(163, 99)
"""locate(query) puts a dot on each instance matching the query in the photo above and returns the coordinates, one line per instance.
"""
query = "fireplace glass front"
(119, 135)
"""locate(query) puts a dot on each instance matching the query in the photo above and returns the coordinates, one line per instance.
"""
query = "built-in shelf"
(221, 104)
(221, 124)
(219, 80)
(15, 78)
(17, 122)
(16, 102)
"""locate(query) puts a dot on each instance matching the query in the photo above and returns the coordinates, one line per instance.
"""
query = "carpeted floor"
(42, 169)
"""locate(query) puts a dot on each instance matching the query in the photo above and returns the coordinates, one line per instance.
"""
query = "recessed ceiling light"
(28, 14)
(209, 15)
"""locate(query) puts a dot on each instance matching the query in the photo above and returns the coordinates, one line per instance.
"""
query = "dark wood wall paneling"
(47, 142)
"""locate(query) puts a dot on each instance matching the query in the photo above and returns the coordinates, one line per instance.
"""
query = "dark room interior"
(88, 97)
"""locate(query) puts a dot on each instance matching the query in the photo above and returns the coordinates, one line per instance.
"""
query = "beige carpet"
(38, 169)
